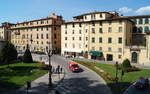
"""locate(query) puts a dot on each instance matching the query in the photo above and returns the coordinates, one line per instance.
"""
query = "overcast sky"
(25, 10)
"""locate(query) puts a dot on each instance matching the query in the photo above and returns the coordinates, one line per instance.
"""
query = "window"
(80, 25)
(93, 40)
(65, 38)
(93, 24)
(109, 49)
(135, 21)
(100, 40)
(41, 28)
(140, 29)
(100, 15)
(79, 31)
(42, 22)
(72, 38)
(109, 29)
(72, 31)
(109, 40)
(55, 36)
(86, 46)
(141, 21)
(86, 30)
(120, 29)
(100, 48)
(80, 38)
(37, 29)
(93, 16)
(65, 25)
(86, 38)
(119, 40)
(93, 48)
(79, 46)
(73, 45)
(73, 25)
(100, 30)
(47, 28)
(100, 23)
(146, 29)
(37, 36)
(85, 17)
(66, 32)
(46, 36)
(93, 30)
(65, 45)
(119, 49)
(146, 21)
(119, 56)
(41, 36)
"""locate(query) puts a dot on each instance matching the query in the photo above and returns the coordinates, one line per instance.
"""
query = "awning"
(96, 53)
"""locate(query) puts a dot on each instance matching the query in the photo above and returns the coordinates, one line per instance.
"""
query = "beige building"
(105, 36)
(40, 34)
(5, 33)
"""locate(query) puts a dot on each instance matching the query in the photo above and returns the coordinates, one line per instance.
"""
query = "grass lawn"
(18, 74)
(128, 78)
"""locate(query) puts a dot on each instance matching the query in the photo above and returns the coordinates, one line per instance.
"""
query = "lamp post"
(50, 53)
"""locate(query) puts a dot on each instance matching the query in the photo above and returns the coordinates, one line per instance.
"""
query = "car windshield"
(75, 66)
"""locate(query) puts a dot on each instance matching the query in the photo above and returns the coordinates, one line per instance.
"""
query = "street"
(86, 82)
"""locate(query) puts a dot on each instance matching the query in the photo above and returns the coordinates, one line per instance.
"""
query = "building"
(101, 35)
(40, 34)
(5, 33)
(106, 36)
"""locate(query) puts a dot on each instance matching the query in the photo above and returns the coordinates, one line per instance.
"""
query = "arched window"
(140, 30)
(146, 29)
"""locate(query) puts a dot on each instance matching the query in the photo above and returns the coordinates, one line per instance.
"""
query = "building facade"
(40, 34)
(105, 36)
(5, 33)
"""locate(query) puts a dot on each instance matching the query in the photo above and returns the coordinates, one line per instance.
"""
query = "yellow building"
(107, 36)
(98, 35)
(40, 34)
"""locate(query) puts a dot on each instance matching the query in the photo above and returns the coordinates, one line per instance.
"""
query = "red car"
(142, 83)
(74, 67)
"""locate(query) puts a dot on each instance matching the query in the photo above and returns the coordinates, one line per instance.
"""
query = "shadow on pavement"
(82, 86)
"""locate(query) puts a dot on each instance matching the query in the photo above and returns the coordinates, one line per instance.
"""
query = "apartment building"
(97, 35)
(40, 34)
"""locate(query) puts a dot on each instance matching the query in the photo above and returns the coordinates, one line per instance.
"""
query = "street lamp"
(50, 53)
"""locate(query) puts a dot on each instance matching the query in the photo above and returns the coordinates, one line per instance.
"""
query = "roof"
(95, 12)
(138, 16)
(110, 19)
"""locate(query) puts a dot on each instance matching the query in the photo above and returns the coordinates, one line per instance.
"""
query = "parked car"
(141, 83)
(68, 56)
(74, 67)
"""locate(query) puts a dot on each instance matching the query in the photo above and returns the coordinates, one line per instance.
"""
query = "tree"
(27, 57)
(126, 64)
(8, 53)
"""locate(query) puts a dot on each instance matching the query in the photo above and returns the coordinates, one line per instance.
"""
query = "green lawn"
(18, 74)
(128, 78)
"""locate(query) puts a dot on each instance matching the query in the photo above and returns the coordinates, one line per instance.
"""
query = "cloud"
(125, 10)
(143, 10)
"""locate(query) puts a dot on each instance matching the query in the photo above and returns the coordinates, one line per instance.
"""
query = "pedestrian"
(58, 68)
(61, 69)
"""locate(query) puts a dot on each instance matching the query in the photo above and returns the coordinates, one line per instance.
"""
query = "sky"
(24, 10)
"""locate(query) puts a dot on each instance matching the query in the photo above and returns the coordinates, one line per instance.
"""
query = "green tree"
(8, 53)
(126, 65)
(27, 57)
